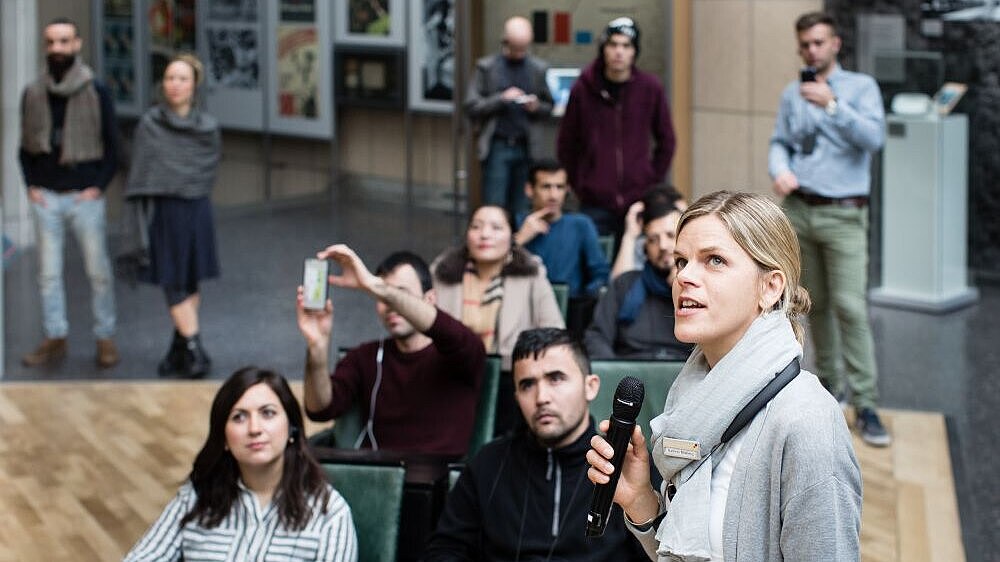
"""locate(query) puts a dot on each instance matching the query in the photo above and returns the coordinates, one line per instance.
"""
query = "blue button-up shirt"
(839, 164)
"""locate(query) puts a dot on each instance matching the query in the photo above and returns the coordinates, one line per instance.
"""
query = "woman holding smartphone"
(176, 156)
(784, 485)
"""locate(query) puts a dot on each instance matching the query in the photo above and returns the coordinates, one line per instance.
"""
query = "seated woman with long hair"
(255, 492)
(496, 288)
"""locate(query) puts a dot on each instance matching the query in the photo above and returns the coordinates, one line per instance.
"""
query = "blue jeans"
(505, 171)
(86, 218)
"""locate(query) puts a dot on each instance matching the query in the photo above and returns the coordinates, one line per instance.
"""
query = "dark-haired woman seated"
(497, 289)
(255, 492)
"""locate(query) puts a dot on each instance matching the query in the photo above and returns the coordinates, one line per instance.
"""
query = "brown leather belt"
(859, 202)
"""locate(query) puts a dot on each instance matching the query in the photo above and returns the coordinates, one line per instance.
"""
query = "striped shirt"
(248, 533)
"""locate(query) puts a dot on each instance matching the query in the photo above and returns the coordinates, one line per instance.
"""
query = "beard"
(663, 272)
(58, 64)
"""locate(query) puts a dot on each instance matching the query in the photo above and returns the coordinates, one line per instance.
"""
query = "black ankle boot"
(196, 363)
(172, 363)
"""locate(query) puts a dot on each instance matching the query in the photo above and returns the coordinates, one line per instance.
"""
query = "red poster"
(561, 28)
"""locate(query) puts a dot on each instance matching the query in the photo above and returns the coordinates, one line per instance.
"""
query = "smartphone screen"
(807, 74)
(314, 284)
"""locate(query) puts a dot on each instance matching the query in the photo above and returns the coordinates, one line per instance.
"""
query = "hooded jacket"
(517, 500)
(614, 150)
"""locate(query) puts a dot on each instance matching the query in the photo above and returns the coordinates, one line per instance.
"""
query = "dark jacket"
(651, 336)
(605, 144)
(44, 170)
(518, 500)
(483, 102)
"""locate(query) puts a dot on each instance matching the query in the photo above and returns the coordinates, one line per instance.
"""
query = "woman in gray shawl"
(756, 458)
(175, 159)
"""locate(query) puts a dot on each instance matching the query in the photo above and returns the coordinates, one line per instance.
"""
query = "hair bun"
(801, 303)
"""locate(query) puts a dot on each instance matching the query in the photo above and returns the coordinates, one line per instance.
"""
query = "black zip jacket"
(517, 500)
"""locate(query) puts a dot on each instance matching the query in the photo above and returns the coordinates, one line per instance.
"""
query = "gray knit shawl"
(173, 155)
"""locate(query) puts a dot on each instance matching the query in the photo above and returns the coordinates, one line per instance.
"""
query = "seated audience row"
(525, 495)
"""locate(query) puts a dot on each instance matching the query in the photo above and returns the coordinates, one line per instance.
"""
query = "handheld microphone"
(624, 409)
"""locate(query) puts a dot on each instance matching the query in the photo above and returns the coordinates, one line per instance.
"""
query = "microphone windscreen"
(628, 399)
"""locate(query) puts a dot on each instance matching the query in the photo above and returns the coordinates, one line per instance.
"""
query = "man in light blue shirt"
(829, 124)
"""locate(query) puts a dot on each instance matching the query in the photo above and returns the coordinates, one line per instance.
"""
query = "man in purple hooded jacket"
(616, 138)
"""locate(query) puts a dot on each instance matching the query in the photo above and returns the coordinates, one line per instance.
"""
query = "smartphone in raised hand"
(315, 284)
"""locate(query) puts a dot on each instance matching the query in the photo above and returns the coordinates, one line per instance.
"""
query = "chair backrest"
(607, 243)
(486, 408)
(656, 376)
(561, 291)
(375, 494)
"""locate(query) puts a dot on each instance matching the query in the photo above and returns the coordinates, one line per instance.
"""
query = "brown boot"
(107, 353)
(51, 349)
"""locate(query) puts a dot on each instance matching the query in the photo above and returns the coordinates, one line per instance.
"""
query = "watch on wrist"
(831, 107)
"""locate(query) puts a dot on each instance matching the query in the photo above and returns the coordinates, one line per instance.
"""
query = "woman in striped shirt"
(254, 492)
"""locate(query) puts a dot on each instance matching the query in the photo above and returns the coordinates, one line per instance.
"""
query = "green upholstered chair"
(607, 243)
(486, 407)
(561, 291)
(375, 494)
(656, 376)
(347, 427)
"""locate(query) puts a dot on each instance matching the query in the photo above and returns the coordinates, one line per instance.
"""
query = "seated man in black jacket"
(635, 317)
(526, 496)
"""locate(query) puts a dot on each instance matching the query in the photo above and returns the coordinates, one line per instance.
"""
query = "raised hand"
(315, 325)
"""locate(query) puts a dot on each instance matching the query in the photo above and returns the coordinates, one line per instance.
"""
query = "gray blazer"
(482, 101)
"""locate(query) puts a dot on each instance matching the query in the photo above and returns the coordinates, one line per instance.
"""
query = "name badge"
(681, 448)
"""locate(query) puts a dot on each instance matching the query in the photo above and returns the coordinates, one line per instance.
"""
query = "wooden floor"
(86, 467)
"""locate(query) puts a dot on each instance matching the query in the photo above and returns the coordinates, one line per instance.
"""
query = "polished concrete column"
(18, 43)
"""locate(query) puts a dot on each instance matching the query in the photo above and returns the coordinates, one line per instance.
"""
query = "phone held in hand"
(314, 284)
(807, 74)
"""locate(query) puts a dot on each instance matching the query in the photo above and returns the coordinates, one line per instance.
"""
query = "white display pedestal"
(924, 214)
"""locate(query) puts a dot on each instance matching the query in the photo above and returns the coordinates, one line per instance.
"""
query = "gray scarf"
(81, 133)
(700, 406)
(174, 156)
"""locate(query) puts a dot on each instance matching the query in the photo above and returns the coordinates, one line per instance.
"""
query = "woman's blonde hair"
(195, 64)
(760, 227)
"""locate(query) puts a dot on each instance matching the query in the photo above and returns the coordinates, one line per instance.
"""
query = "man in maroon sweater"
(616, 138)
(425, 376)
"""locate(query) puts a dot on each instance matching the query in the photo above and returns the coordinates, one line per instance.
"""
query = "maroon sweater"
(427, 400)
(614, 150)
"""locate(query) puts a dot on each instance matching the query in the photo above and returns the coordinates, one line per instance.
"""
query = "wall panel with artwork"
(432, 55)
(230, 46)
(300, 51)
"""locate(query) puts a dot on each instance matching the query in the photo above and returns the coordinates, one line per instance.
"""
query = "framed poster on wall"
(118, 55)
(369, 22)
(300, 100)
(432, 55)
(170, 28)
(230, 48)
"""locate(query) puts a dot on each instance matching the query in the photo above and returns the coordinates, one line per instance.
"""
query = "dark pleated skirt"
(182, 243)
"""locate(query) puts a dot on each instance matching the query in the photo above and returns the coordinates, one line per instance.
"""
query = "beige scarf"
(81, 133)
(481, 306)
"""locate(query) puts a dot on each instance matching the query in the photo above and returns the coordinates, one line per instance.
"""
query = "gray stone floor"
(947, 363)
